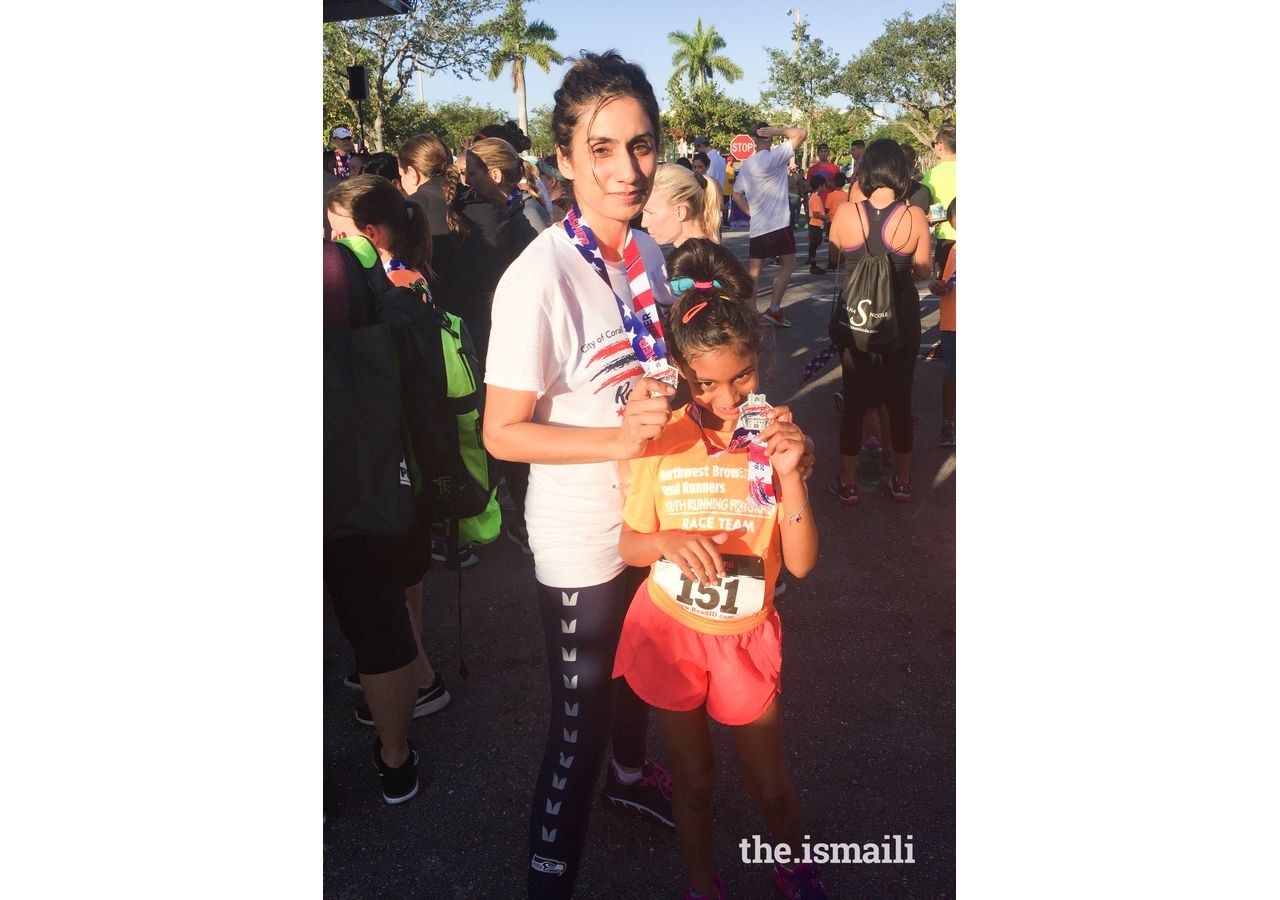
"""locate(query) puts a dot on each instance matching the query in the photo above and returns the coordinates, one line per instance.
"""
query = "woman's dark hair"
(592, 81)
(384, 164)
(883, 166)
(372, 200)
(909, 154)
(684, 161)
(708, 318)
(430, 158)
(951, 209)
(510, 132)
(706, 160)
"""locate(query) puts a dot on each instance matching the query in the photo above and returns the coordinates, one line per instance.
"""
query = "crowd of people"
(608, 366)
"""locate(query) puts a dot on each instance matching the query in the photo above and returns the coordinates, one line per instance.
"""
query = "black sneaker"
(947, 434)
(519, 535)
(352, 681)
(466, 553)
(505, 500)
(650, 796)
(430, 700)
(398, 785)
(847, 493)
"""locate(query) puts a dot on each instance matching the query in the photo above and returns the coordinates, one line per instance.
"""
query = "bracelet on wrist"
(799, 514)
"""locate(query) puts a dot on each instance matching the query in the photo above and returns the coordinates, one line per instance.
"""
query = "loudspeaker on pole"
(358, 79)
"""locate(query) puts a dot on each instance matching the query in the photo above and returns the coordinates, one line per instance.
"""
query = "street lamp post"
(796, 33)
(795, 110)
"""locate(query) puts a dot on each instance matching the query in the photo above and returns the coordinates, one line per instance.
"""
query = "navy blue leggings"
(581, 627)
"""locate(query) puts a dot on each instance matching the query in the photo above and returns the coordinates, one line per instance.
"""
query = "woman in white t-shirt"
(575, 330)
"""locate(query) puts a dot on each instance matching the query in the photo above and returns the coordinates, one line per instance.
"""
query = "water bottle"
(869, 462)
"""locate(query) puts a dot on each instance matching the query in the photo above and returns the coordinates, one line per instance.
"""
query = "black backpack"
(438, 383)
(367, 490)
(862, 316)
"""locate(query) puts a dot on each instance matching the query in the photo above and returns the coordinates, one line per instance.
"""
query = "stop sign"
(742, 147)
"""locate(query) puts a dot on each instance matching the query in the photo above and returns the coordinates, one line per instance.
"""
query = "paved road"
(868, 682)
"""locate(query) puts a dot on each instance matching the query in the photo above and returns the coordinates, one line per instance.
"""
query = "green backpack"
(442, 409)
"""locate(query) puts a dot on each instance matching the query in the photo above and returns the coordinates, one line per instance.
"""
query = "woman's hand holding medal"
(646, 414)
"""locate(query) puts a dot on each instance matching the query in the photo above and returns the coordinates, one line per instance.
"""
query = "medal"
(753, 418)
(661, 370)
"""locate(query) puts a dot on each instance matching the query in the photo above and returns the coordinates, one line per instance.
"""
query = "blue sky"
(642, 38)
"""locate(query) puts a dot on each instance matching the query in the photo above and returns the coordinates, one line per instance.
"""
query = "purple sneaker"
(801, 883)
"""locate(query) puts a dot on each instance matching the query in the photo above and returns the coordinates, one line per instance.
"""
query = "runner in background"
(371, 206)
(945, 288)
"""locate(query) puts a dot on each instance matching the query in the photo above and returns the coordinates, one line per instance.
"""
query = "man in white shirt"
(856, 149)
(760, 191)
(716, 170)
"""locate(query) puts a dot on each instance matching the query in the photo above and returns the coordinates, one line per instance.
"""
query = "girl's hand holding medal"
(784, 442)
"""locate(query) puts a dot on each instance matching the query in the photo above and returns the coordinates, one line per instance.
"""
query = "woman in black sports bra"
(882, 223)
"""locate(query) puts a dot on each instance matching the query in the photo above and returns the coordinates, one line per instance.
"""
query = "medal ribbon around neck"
(397, 264)
(643, 325)
(759, 468)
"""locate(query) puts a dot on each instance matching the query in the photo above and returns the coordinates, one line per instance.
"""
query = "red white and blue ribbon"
(759, 468)
(814, 365)
(641, 321)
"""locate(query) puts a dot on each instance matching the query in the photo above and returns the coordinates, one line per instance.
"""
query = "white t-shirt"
(763, 179)
(557, 332)
(716, 169)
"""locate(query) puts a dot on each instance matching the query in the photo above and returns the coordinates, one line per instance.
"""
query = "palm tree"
(696, 55)
(521, 41)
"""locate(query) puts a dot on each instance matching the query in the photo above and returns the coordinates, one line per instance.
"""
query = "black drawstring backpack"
(862, 315)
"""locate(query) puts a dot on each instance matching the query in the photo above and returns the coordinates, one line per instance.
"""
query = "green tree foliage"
(454, 122)
(802, 77)
(457, 121)
(911, 67)
(899, 132)
(539, 131)
(705, 110)
(519, 42)
(434, 36)
(698, 56)
(839, 128)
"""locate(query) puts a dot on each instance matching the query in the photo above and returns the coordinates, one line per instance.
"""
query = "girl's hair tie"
(680, 285)
(697, 308)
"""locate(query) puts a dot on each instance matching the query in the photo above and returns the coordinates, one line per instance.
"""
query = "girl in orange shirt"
(713, 507)
(817, 220)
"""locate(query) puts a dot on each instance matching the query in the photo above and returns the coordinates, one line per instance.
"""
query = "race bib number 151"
(739, 595)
